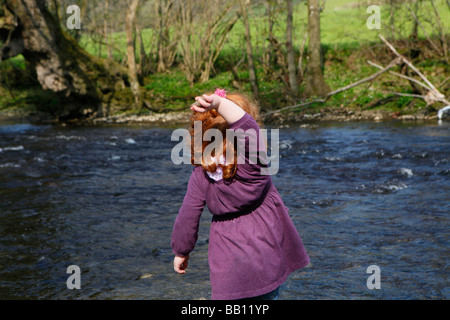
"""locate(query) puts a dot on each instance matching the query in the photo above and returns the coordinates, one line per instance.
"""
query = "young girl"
(253, 244)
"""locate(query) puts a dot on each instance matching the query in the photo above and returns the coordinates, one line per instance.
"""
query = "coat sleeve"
(251, 148)
(185, 228)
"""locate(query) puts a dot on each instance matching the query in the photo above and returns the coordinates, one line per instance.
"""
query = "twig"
(441, 32)
(443, 82)
(279, 75)
(423, 29)
(400, 75)
(294, 106)
(404, 94)
(389, 66)
(407, 62)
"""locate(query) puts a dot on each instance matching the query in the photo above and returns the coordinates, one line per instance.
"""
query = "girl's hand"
(180, 264)
(230, 111)
(205, 103)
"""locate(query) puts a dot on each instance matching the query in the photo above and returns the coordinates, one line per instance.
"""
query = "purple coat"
(253, 244)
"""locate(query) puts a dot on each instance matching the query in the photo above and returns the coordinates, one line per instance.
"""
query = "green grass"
(173, 89)
(342, 22)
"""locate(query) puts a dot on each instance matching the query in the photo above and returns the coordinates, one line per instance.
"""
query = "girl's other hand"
(180, 264)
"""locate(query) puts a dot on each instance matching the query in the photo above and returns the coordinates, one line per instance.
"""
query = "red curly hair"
(212, 119)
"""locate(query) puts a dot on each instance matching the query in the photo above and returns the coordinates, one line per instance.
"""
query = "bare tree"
(61, 65)
(203, 28)
(315, 83)
(132, 70)
(417, 23)
(166, 47)
(105, 29)
(274, 56)
(290, 50)
(440, 31)
(392, 8)
(249, 49)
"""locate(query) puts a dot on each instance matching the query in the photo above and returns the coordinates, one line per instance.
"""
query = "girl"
(253, 244)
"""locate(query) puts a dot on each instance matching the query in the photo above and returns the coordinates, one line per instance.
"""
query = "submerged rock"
(444, 113)
(145, 276)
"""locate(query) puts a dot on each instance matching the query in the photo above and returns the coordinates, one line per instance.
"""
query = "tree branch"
(295, 106)
(407, 62)
(404, 94)
(370, 78)
(400, 75)
(433, 94)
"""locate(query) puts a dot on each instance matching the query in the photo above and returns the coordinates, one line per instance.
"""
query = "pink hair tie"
(221, 93)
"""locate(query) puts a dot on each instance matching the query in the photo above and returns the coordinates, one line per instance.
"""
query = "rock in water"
(145, 276)
(444, 113)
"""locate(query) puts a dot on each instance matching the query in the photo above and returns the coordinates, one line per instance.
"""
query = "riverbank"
(183, 117)
(351, 53)
(278, 118)
(169, 94)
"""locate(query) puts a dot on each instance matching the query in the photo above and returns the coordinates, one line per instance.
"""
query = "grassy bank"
(348, 45)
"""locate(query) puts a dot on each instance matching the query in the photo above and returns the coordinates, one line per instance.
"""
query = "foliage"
(346, 40)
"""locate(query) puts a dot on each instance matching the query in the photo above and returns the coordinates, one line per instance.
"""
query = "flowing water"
(104, 198)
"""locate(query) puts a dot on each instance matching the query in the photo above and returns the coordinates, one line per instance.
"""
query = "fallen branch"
(443, 82)
(294, 106)
(372, 77)
(323, 100)
(433, 94)
(404, 94)
(401, 75)
(408, 63)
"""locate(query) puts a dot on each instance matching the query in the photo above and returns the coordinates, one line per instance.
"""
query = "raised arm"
(230, 111)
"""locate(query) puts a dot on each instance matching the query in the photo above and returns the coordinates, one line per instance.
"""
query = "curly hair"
(212, 119)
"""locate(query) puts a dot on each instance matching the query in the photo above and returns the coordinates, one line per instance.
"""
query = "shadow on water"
(105, 198)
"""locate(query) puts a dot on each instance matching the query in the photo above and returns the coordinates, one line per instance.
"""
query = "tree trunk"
(166, 50)
(78, 79)
(249, 50)
(290, 50)
(315, 84)
(143, 70)
(441, 32)
(105, 29)
(132, 70)
(392, 17)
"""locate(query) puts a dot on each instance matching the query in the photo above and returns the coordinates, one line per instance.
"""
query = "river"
(104, 198)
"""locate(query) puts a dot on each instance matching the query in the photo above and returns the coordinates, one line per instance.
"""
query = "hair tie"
(221, 93)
